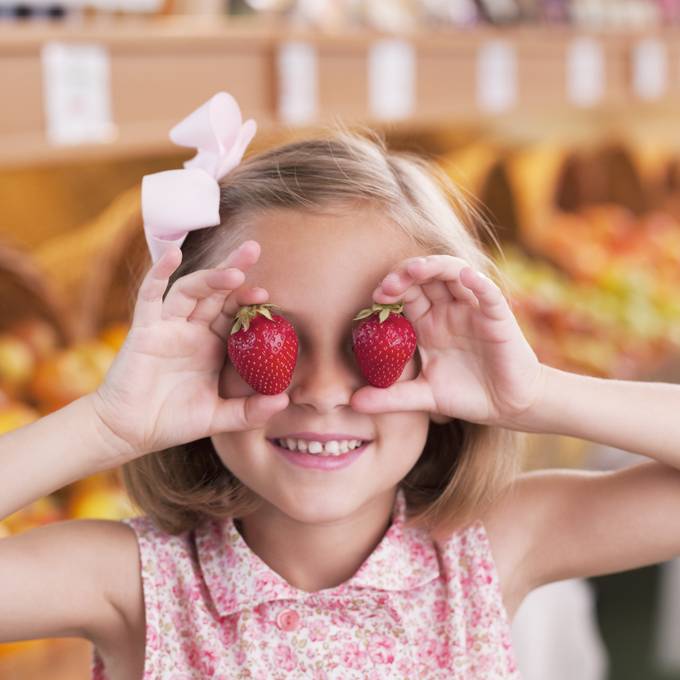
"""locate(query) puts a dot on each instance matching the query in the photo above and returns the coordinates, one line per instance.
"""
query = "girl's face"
(320, 270)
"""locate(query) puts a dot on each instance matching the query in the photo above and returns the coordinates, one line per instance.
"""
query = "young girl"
(406, 561)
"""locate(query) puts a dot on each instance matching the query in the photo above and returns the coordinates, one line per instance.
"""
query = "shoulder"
(513, 527)
(129, 553)
(516, 522)
(553, 525)
(115, 546)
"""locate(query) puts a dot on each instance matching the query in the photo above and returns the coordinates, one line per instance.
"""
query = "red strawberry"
(263, 348)
(383, 343)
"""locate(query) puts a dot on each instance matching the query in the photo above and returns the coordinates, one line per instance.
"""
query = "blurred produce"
(40, 336)
(17, 364)
(98, 497)
(619, 323)
(42, 511)
(14, 414)
(70, 373)
(114, 335)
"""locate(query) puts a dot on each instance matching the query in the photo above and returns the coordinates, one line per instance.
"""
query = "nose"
(324, 381)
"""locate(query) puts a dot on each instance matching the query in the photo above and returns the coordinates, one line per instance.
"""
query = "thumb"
(409, 395)
(247, 413)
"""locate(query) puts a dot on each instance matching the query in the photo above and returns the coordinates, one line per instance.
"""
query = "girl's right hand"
(162, 388)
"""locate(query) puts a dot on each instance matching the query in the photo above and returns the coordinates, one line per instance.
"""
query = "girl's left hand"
(476, 363)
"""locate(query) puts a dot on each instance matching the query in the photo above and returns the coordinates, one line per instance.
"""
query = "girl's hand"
(162, 388)
(476, 363)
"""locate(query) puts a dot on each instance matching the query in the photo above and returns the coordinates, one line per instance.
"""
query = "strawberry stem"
(247, 313)
(383, 310)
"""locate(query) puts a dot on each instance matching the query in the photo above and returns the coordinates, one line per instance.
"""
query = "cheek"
(406, 430)
(233, 450)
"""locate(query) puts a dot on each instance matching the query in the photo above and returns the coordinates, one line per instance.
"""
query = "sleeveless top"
(415, 608)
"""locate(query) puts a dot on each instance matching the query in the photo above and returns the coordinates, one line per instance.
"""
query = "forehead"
(325, 262)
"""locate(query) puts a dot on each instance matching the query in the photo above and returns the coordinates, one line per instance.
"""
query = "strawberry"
(263, 348)
(383, 342)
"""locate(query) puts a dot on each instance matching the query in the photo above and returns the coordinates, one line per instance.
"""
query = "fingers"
(422, 282)
(408, 395)
(243, 257)
(492, 302)
(246, 413)
(187, 292)
(150, 295)
(200, 295)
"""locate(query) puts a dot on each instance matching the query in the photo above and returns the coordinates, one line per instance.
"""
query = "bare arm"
(46, 455)
(585, 523)
(640, 417)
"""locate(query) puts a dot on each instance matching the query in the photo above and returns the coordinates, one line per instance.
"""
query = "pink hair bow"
(175, 202)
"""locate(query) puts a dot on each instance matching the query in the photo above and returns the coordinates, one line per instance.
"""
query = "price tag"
(496, 76)
(650, 68)
(77, 93)
(298, 83)
(392, 79)
(585, 72)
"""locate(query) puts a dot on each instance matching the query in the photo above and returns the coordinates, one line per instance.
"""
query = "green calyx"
(383, 310)
(246, 314)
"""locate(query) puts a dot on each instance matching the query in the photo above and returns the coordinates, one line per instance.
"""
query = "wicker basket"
(26, 291)
(96, 266)
(544, 180)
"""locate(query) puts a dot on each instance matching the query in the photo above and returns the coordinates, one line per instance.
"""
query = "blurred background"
(557, 118)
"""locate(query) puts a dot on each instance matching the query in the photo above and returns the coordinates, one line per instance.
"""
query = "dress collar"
(238, 579)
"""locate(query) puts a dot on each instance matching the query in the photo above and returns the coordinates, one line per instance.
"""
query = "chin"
(318, 506)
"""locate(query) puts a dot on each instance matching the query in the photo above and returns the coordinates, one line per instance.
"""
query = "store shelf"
(160, 69)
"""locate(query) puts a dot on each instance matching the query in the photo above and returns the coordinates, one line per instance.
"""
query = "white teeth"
(329, 448)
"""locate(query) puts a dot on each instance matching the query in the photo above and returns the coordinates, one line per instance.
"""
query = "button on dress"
(416, 608)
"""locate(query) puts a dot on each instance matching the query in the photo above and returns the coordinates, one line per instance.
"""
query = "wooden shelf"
(161, 68)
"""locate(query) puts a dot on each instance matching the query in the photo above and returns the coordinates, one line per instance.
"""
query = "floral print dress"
(415, 608)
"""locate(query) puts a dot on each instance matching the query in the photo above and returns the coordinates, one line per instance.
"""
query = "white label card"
(496, 76)
(650, 68)
(298, 83)
(585, 72)
(77, 93)
(392, 79)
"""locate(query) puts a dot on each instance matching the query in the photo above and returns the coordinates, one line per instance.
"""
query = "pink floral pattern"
(416, 608)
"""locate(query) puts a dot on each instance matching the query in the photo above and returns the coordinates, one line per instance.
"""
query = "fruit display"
(617, 322)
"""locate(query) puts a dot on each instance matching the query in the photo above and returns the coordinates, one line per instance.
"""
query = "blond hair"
(463, 466)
